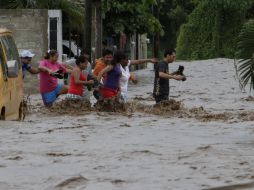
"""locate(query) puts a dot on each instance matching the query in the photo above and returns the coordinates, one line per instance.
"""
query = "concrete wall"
(30, 29)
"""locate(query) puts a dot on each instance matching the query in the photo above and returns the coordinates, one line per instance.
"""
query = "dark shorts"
(160, 98)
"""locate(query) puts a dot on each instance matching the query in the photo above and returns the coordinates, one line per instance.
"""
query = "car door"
(4, 84)
(15, 83)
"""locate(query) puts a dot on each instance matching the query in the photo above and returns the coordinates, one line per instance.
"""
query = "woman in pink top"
(50, 89)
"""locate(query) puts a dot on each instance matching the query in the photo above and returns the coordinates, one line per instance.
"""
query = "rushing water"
(204, 140)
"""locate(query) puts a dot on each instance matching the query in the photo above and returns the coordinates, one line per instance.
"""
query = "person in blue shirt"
(26, 58)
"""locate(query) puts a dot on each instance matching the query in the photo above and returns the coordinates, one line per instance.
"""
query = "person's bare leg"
(64, 90)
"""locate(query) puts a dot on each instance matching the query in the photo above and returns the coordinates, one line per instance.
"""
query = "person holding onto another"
(26, 57)
(111, 83)
(126, 75)
(50, 89)
(120, 60)
(100, 64)
(78, 80)
(87, 71)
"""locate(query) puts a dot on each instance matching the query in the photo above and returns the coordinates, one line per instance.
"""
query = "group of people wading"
(109, 79)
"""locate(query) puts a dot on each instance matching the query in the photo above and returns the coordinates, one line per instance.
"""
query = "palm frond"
(237, 76)
(18, 4)
(245, 54)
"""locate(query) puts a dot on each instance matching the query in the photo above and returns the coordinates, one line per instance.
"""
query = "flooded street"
(205, 143)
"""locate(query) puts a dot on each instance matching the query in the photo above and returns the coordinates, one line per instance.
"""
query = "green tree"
(212, 29)
(245, 54)
(174, 13)
(130, 17)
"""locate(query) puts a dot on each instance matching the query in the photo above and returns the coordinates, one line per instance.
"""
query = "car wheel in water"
(2, 115)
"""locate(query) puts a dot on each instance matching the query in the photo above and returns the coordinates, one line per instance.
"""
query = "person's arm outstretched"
(33, 70)
(141, 61)
(105, 70)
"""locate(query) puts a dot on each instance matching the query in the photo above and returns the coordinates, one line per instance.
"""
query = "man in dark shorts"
(162, 76)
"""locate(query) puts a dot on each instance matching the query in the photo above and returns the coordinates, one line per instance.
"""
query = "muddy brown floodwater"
(202, 138)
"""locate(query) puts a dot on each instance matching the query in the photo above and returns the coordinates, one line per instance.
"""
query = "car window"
(2, 62)
(10, 49)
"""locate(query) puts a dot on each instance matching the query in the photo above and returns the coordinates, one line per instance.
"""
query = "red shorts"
(108, 93)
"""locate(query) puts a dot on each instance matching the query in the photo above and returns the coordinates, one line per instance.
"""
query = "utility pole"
(156, 41)
(137, 49)
(88, 25)
(98, 27)
(93, 29)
